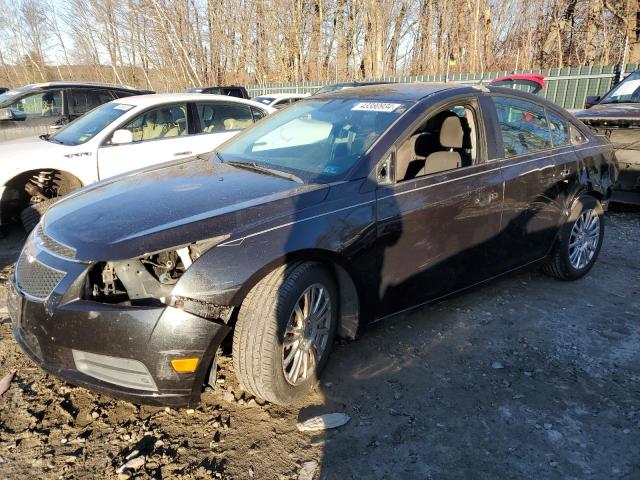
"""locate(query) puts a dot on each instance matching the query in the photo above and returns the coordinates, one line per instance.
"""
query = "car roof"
(62, 84)
(411, 91)
(215, 86)
(162, 98)
(284, 95)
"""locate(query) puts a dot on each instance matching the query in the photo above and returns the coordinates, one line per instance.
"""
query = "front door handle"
(179, 154)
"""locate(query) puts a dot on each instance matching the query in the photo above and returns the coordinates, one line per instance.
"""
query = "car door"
(160, 134)
(566, 139)
(34, 113)
(218, 122)
(438, 222)
(532, 203)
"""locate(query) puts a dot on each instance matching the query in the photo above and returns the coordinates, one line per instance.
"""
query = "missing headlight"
(150, 277)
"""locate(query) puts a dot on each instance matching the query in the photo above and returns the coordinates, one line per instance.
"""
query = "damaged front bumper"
(122, 351)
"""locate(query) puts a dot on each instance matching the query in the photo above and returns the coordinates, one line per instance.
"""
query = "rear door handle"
(181, 153)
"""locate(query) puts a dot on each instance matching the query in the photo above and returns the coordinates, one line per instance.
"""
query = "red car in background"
(534, 81)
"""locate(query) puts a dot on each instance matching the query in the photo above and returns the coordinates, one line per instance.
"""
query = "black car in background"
(338, 211)
(617, 115)
(230, 91)
(3, 89)
(341, 86)
(35, 109)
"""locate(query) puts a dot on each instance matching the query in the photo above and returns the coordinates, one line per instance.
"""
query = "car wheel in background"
(285, 331)
(31, 215)
(580, 241)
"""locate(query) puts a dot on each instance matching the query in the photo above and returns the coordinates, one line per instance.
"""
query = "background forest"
(172, 44)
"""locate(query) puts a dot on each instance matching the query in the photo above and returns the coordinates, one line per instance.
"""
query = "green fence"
(567, 87)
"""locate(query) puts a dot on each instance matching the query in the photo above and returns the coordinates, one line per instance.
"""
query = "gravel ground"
(527, 377)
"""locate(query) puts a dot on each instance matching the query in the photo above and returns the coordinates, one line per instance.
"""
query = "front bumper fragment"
(115, 345)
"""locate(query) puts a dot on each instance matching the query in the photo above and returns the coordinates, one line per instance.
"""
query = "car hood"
(611, 114)
(172, 205)
(32, 146)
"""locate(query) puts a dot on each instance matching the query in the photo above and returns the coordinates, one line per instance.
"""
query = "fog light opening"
(185, 365)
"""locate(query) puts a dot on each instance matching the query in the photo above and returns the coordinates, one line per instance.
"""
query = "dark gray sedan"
(341, 210)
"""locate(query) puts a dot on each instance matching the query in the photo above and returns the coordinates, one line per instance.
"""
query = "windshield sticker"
(331, 170)
(122, 106)
(376, 107)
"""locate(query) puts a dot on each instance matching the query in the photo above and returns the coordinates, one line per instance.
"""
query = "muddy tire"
(285, 331)
(31, 215)
(579, 242)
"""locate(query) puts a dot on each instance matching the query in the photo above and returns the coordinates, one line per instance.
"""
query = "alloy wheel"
(307, 334)
(584, 239)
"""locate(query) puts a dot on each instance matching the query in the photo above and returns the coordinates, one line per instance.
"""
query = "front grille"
(53, 246)
(35, 278)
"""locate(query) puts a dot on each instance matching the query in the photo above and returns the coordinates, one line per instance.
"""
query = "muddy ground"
(527, 377)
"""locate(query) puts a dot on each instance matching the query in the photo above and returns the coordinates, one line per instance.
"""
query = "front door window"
(42, 104)
(165, 122)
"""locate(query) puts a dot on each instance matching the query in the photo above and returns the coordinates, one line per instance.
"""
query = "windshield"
(317, 140)
(90, 124)
(627, 91)
(264, 100)
(8, 96)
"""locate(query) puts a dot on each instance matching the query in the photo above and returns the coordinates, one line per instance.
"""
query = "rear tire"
(277, 327)
(578, 246)
(31, 215)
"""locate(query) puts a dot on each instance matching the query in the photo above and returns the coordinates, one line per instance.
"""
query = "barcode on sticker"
(376, 107)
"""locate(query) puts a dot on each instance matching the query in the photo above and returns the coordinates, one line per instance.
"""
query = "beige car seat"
(235, 124)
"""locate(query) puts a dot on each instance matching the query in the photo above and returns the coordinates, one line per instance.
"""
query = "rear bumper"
(124, 352)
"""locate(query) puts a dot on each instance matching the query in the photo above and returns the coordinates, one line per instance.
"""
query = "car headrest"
(425, 143)
(451, 133)
(165, 116)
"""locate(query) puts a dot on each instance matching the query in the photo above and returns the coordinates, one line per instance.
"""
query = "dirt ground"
(527, 377)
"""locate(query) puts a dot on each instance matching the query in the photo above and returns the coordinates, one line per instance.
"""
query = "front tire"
(31, 215)
(285, 331)
(577, 249)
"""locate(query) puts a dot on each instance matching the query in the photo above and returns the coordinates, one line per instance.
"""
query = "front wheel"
(31, 215)
(285, 331)
(580, 241)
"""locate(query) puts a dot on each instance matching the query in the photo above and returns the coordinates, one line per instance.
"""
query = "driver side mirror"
(121, 137)
(6, 114)
(591, 100)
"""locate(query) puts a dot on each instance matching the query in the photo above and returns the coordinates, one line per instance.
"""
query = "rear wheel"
(581, 239)
(285, 331)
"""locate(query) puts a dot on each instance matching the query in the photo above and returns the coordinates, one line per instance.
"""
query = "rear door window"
(559, 129)
(523, 125)
(81, 101)
(257, 114)
(223, 117)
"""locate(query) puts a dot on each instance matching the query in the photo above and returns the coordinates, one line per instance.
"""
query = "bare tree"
(174, 44)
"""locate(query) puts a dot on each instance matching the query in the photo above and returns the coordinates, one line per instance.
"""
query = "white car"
(280, 100)
(122, 135)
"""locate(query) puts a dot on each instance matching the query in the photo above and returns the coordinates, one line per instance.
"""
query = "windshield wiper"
(268, 171)
(619, 101)
(47, 137)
